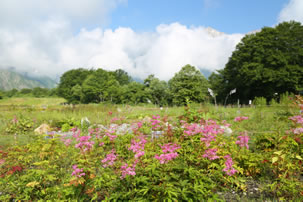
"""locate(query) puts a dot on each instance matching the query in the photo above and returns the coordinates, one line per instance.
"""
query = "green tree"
(156, 90)
(188, 83)
(122, 77)
(70, 79)
(11, 93)
(134, 93)
(40, 92)
(267, 62)
(98, 86)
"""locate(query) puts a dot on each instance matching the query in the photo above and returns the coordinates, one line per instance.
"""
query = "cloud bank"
(42, 40)
(292, 11)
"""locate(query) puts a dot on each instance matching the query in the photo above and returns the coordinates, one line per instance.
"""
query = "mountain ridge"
(10, 79)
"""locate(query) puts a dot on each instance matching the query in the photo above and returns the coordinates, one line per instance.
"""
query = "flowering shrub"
(191, 161)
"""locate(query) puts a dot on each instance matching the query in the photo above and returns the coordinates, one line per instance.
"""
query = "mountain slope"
(10, 79)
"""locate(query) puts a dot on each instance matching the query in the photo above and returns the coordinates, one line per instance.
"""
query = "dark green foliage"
(157, 90)
(70, 79)
(264, 63)
(134, 93)
(122, 77)
(188, 83)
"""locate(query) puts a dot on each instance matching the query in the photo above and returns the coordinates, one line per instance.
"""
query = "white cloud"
(292, 11)
(40, 38)
(24, 13)
(53, 49)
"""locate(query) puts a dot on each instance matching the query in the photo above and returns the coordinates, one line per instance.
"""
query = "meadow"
(193, 153)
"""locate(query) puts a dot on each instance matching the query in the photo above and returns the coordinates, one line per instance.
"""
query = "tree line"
(94, 86)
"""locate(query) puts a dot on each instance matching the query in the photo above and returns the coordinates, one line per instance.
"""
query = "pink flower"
(101, 144)
(155, 122)
(169, 147)
(229, 170)
(211, 154)
(240, 118)
(243, 141)
(164, 158)
(297, 119)
(84, 143)
(298, 131)
(1, 161)
(78, 172)
(137, 146)
(109, 159)
(126, 170)
(169, 153)
(207, 139)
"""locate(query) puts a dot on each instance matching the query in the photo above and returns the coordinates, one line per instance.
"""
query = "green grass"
(29, 101)
(264, 119)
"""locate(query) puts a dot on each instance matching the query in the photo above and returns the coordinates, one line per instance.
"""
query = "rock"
(227, 131)
(43, 129)
(146, 119)
(85, 122)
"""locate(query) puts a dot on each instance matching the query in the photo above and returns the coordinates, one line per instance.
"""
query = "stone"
(43, 129)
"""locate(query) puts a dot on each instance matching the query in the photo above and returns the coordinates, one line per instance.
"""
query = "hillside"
(10, 79)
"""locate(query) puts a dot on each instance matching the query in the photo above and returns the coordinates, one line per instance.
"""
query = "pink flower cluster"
(66, 141)
(243, 141)
(211, 154)
(297, 119)
(155, 122)
(229, 170)
(1, 161)
(109, 159)
(298, 131)
(240, 118)
(169, 153)
(138, 146)
(209, 131)
(192, 129)
(78, 172)
(84, 143)
(127, 170)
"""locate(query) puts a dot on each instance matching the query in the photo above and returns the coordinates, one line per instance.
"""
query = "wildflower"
(138, 146)
(243, 141)
(207, 139)
(298, 131)
(78, 172)
(164, 158)
(211, 154)
(229, 170)
(84, 143)
(109, 159)
(240, 118)
(2, 161)
(126, 170)
(297, 119)
(169, 153)
(155, 122)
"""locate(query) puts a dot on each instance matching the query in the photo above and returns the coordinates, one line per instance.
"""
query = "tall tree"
(97, 86)
(122, 77)
(156, 90)
(189, 83)
(267, 62)
(70, 79)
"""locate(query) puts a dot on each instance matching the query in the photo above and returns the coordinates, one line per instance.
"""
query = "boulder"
(43, 129)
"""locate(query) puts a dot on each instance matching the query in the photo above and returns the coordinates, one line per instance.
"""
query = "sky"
(142, 37)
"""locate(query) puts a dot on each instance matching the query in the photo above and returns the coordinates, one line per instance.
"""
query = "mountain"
(11, 79)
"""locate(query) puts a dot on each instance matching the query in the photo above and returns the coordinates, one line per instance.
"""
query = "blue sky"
(229, 16)
(142, 37)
